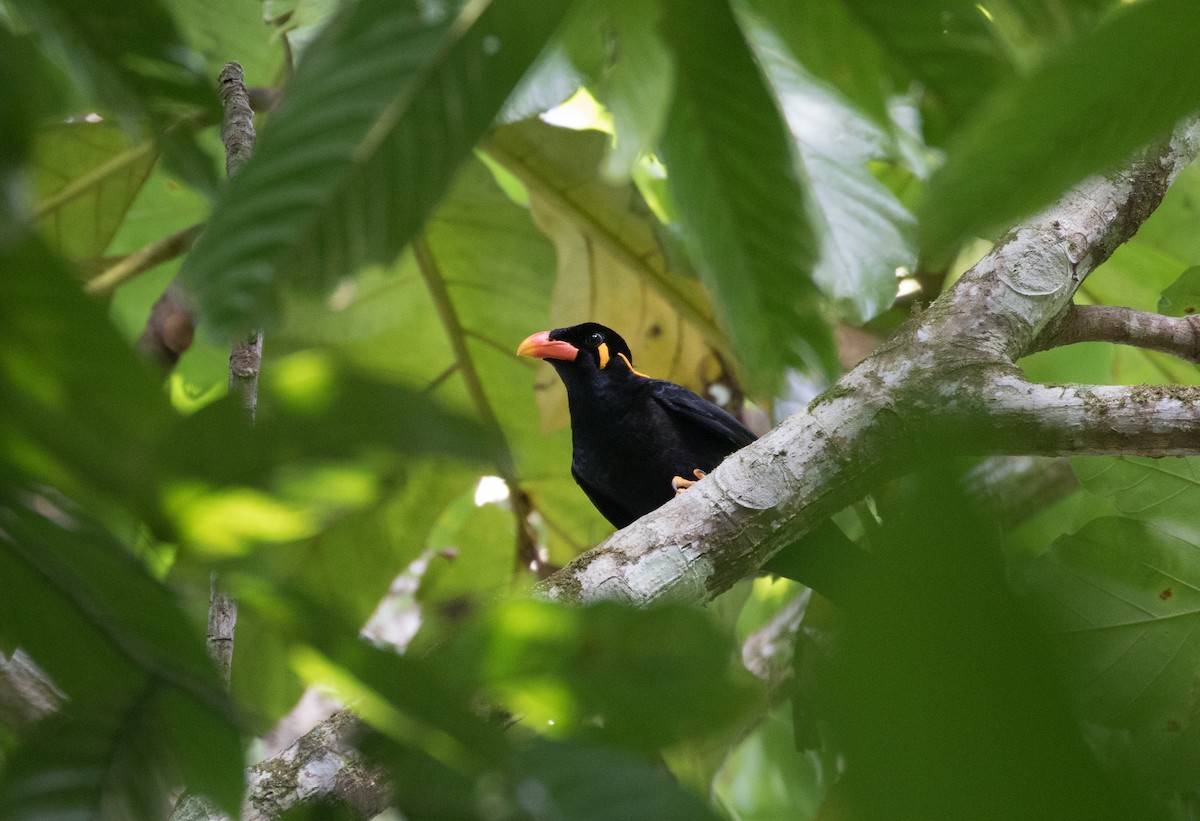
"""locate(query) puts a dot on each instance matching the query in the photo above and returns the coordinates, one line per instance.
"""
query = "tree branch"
(142, 260)
(928, 387)
(1178, 336)
(1053, 420)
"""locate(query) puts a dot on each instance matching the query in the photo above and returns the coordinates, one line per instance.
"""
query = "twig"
(143, 259)
(245, 358)
(1178, 336)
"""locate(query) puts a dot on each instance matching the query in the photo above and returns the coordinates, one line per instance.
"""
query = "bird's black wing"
(712, 418)
(609, 509)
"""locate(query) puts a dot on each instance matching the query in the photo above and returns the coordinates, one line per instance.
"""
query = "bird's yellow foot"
(680, 484)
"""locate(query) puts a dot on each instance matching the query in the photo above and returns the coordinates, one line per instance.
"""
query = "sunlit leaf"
(865, 233)
(629, 69)
(376, 121)
(225, 30)
(615, 262)
(86, 176)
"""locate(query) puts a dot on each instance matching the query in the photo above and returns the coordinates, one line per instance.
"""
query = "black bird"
(636, 441)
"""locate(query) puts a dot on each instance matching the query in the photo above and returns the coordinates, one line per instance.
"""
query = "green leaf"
(144, 697)
(87, 416)
(1123, 602)
(864, 232)
(616, 263)
(225, 30)
(86, 176)
(80, 410)
(1162, 491)
(1084, 110)
(946, 44)
(736, 181)
(583, 782)
(765, 777)
(1182, 297)
(616, 46)
(831, 43)
(123, 760)
(376, 122)
(651, 678)
(131, 58)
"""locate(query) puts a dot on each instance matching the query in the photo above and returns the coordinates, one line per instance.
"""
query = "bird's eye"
(595, 338)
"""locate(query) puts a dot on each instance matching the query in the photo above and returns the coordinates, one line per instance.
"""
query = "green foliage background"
(724, 182)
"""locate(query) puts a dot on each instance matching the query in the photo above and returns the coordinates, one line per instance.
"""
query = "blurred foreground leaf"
(1123, 602)
(146, 708)
(943, 696)
(1083, 111)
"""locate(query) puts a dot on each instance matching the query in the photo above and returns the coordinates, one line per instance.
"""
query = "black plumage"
(633, 437)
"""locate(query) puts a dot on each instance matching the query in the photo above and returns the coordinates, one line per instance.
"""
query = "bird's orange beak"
(541, 346)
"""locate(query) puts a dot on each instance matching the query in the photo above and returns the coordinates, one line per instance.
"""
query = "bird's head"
(589, 348)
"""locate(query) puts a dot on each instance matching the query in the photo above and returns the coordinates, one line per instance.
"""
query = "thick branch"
(1178, 336)
(1149, 420)
(922, 387)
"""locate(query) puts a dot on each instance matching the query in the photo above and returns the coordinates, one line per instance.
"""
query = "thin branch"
(222, 619)
(237, 129)
(142, 260)
(526, 557)
(245, 357)
(1178, 336)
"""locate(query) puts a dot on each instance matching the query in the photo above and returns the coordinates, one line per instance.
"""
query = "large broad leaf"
(627, 66)
(377, 120)
(946, 44)
(736, 183)
(1123, 600)
(831, 43)
(942, 694)
(86, 176)
(146, 706)
(1163, 491)
(615, 262)
(1083, 111)
(865, 233)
